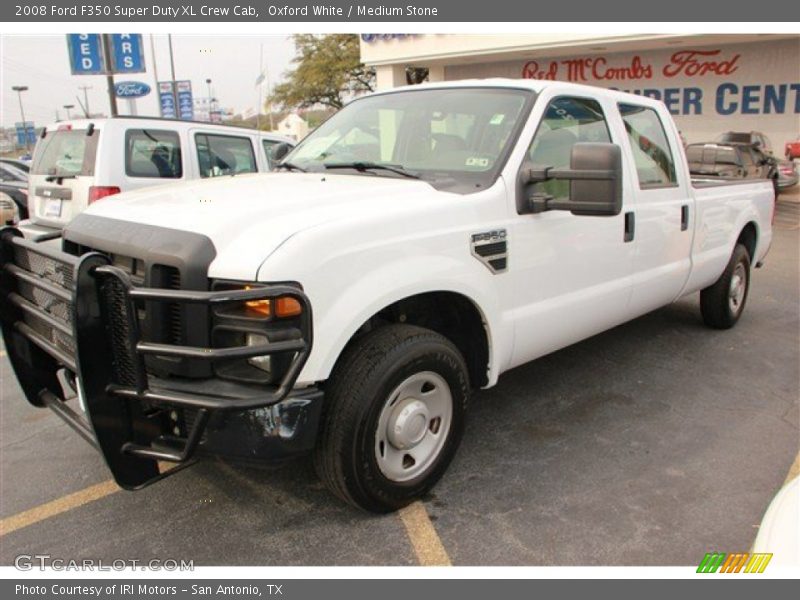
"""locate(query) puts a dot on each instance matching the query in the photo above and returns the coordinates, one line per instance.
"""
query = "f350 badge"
(491, 248)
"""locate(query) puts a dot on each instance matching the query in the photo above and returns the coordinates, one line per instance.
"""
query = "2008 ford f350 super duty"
(415, 246)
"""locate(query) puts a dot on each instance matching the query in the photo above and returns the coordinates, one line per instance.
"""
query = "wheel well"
(748, 238)
(450, 314)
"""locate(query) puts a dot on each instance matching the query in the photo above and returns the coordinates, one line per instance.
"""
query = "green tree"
(327, 69)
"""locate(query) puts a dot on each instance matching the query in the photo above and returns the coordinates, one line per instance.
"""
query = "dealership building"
(710, 83)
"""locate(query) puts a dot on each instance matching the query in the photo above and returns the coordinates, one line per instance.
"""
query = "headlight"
(259, 362)
(253, 323)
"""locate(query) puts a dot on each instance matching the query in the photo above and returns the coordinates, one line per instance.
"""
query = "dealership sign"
(131, 89)
(87, 53)
(670, 79)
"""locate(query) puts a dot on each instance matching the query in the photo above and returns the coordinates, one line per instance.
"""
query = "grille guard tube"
(126, 414)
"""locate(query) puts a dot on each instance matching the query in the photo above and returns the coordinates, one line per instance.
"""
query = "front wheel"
(395, 411)
(723, 303)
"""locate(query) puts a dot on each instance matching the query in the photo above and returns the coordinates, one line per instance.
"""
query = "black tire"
(716, 305)
(357, 392)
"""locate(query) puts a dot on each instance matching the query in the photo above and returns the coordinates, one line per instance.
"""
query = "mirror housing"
(595, 177)
(279, 152)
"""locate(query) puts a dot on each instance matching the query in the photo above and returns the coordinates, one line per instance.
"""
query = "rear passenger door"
(663, 208)
(220, 154)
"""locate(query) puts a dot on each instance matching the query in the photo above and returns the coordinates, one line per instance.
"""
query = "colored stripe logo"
(737, 562)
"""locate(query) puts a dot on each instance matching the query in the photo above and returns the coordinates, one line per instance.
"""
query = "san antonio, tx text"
(130, 589)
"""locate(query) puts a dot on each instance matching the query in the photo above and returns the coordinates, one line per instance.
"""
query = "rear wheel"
(723, 303)
(395, 410)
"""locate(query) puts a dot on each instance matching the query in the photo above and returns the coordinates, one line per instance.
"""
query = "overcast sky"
(42, 63)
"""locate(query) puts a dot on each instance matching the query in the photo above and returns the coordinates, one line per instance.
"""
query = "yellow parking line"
(57, 506)
(424, 539)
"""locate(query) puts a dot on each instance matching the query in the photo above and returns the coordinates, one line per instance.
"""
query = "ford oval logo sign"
(131, 89)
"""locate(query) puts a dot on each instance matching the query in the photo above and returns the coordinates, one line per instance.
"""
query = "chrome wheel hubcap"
(737, 289)
(413, 426)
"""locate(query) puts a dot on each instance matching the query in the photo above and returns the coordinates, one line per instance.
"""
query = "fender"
(390, 283)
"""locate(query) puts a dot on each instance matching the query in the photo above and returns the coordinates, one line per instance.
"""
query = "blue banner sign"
(21, 129)
(166, 98)
(185, 100)
(127, 53)
(86, 53)
(131, 89)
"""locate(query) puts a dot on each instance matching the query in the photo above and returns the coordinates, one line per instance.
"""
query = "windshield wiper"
(289, 167)
(367, 166)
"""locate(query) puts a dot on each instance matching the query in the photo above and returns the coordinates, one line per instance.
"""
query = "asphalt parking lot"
(646, 445)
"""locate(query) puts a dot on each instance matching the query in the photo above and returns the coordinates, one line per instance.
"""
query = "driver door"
(572, 274)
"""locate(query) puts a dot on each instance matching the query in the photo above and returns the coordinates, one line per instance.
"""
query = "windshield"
(65, 153)
(453, 138)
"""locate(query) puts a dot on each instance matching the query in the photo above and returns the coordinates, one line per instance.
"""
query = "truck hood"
(270, 208)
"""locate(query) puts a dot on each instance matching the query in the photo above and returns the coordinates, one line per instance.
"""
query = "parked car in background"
(787, 174)
(9, 212)
(731, 161)
(82, 161)
(22, 165)
(753, 138)
(792, 149)
(778, 534)
(14, 183)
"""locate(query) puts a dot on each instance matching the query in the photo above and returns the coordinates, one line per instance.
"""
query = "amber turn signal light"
(284, 307)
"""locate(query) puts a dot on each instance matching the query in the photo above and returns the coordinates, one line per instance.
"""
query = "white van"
(81, 161)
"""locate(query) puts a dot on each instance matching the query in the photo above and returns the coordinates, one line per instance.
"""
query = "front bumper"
(74, 322)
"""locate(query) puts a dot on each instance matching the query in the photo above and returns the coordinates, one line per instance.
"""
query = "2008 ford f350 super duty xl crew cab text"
(415, 246)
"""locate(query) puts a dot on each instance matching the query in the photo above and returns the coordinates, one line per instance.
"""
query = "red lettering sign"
(532, 70)
(692, 63)
(687, 63)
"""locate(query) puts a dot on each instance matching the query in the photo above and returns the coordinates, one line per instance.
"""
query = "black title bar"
(406, 11)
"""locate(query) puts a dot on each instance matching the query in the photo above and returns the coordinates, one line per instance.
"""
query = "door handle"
(684, 217)
(630, 226)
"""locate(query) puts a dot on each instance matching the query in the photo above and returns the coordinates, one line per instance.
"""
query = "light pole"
(69, 107)
(19, 89)
(210, 99)
(85, 107)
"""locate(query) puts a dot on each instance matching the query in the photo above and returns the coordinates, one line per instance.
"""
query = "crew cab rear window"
(153, 153)
(655, 165)
(224, 155)
(65, 153)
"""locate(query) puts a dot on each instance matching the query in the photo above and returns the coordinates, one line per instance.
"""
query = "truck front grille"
(46, 304)
(118, 324)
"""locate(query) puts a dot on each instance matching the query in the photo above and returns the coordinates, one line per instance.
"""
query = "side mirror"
(595, 177)
(279, 151)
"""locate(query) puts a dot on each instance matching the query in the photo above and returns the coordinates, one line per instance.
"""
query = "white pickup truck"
(414, 247)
